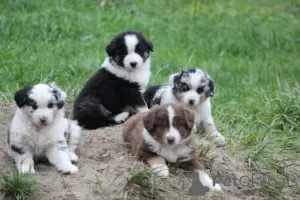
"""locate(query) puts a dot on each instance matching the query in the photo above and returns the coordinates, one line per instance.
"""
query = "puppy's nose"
(191, 102)
(133, 64)
(43, 120)
(170, 139)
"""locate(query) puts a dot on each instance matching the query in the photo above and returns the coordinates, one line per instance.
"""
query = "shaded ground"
(105, 166)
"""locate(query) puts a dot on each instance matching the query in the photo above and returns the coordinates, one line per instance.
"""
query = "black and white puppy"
(39, 129)
(116, 90)
(193, 88)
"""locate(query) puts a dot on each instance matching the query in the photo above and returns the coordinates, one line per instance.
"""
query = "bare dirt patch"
(105, 166)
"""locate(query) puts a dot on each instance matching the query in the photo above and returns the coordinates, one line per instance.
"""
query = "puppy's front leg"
(158, 165)
(58, 155)
(143, 105)
(212, 132)
(120, 118)
(23, 160)
(140, 103)
(142, 109)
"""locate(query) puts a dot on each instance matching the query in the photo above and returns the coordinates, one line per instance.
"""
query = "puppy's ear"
(211, 86)
(175, 79)
(171, 79)
(59, 95)
(21, 95)
(149, 44)
(189, 118)
(110, 48)
(148, 121)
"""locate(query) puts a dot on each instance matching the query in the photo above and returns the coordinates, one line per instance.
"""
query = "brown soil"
(104, 157)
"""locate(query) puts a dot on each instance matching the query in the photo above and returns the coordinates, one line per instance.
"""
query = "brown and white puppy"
(166, 134)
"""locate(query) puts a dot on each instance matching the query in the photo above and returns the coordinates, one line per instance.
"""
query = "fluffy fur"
(166, 134)
(193, 88)
(115, 91)
(39, 129)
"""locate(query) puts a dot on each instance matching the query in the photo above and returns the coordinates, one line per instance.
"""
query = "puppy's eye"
(200, 89)
(178, 122)
(160, 124)
(175, 122)
(50, 105)
(34, 106)
(185, 87)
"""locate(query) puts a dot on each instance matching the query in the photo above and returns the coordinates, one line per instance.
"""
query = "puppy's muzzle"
(191, 102)
(170, 139)
(133, 64)
(43, 120)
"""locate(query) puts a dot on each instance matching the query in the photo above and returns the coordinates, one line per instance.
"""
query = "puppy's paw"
(69, 169)
(26, 168)
(73, 157)
(161, 170)
(217, 138)
(121, 117)
(143, 109)
(73, 169)
(220, 140)
(217, 187)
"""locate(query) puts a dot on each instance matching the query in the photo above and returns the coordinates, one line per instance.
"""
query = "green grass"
(142, 184)
(141, 178)
(250, 48)
(145, 184)
(19, 186)
(97, 181)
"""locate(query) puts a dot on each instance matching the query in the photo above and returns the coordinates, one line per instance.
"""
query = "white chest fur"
(140, 75)
(203, 111)
(36, 140)
(179, 153)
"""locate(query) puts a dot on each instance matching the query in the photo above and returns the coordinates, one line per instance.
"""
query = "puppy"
(40, 130)
(193, 88)
(115, 91)
(166, 133)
